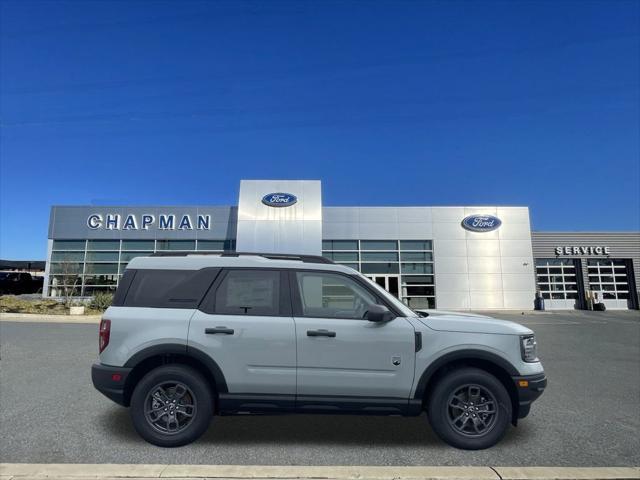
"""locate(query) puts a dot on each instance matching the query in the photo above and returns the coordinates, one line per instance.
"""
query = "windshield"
(390, 298)
(6, 275)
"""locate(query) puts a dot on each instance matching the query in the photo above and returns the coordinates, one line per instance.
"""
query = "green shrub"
(101, 301)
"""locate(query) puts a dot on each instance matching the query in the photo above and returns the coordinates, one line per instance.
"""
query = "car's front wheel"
(469, 408)
(171, 406)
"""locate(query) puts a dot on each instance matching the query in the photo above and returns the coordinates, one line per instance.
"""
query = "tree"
(70, 273)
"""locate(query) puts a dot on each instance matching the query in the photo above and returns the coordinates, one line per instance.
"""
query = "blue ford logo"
(279, 199)
(481, 223)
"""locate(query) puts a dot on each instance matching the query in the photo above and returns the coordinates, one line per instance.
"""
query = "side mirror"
(379, 313)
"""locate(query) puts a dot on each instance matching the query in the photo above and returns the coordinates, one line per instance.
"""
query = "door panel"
(341, 353)
(358, 361)
(245, 325)
(260, 355)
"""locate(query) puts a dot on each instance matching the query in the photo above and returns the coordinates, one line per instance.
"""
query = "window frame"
(208, 303)
(296, 298)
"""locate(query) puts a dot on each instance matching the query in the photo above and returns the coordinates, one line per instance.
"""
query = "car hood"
(471, 323)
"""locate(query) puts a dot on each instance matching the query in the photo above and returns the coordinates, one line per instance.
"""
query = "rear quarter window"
(165, 288)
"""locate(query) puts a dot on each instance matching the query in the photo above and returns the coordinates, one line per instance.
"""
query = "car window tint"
(328, 295)
(168, 288)
(249, 292)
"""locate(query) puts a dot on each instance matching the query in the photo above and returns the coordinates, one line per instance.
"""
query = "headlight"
(529, 348)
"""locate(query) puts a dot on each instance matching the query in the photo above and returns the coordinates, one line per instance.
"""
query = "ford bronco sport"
(190, 336)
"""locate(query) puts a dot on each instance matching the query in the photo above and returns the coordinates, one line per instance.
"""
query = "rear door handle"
(222, 330)
(320, 333)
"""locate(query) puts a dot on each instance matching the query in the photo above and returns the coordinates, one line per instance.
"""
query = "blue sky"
(388, 103)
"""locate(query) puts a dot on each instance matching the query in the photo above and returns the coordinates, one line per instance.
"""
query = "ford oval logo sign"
(279, 199)
(481, 223)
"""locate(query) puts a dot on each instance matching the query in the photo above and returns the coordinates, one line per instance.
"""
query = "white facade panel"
(486, 300)
(522, 265)
(415, 231)
(450, 248)
(414, 214)
(296, 228)
(516, 248)
(452, 265)
(447, 214)
(452, 282)
(484, 265)
(448, 231)
(517, 282)
(485, 282)
(520, 300)
(483, 248)
(453, 300)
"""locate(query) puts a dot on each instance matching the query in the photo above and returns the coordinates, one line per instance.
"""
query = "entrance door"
(391, 283)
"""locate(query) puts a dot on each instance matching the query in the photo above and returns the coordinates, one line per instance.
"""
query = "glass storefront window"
(91, 291)
(417, 268)
(379, 257)
(417, 280)
(68, 245)
(417, 256)
(351, 265)
(340, 245)
(103, 245)
(416, 245)
(139, 245)
(216, 245)
(101, 279)
(341, 256)
(127, 256)
(379, 268)
(176, 245)
(67, 256)
(101, 268)
(378, 245)
(102, 256)
(66, 268)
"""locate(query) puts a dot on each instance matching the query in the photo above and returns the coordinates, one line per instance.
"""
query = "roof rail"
(271, 256)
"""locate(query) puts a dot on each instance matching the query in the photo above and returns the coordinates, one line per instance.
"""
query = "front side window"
(249, 292)
(327, 295)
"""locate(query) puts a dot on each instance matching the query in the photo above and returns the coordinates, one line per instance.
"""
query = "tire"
(457, 390)
(184, 392)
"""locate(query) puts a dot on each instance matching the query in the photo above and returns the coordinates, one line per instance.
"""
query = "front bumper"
(110, 381)
(529, 388)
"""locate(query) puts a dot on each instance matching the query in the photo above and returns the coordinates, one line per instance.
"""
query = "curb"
(43, 318)
(24, 471)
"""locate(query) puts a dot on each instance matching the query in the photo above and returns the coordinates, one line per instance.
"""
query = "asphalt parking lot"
(589, 415)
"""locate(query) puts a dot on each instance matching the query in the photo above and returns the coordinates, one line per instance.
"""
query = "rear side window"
(249, 292)
(169, 288)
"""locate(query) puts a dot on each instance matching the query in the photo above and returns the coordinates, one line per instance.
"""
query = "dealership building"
(455, 258)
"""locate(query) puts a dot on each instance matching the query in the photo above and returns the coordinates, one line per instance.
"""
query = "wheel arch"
(152, 357)
(487, 361)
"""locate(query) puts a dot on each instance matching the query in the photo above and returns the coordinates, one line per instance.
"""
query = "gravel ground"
(589, 415)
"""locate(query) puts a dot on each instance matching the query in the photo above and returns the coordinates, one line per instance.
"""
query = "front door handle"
(222, 330)
(320, 333)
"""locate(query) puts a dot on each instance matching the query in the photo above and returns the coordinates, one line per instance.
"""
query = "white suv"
(190, 336)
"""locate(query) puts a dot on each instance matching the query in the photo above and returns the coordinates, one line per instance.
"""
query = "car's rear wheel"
(469, 408)
(171, 406)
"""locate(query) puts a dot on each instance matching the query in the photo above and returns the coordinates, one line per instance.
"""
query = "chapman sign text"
(589, 250)
(145, 222)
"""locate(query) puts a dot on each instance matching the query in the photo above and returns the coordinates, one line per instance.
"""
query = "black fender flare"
(183, 350)
(458, 355)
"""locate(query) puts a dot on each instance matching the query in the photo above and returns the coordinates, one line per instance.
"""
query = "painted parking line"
(22, 471)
